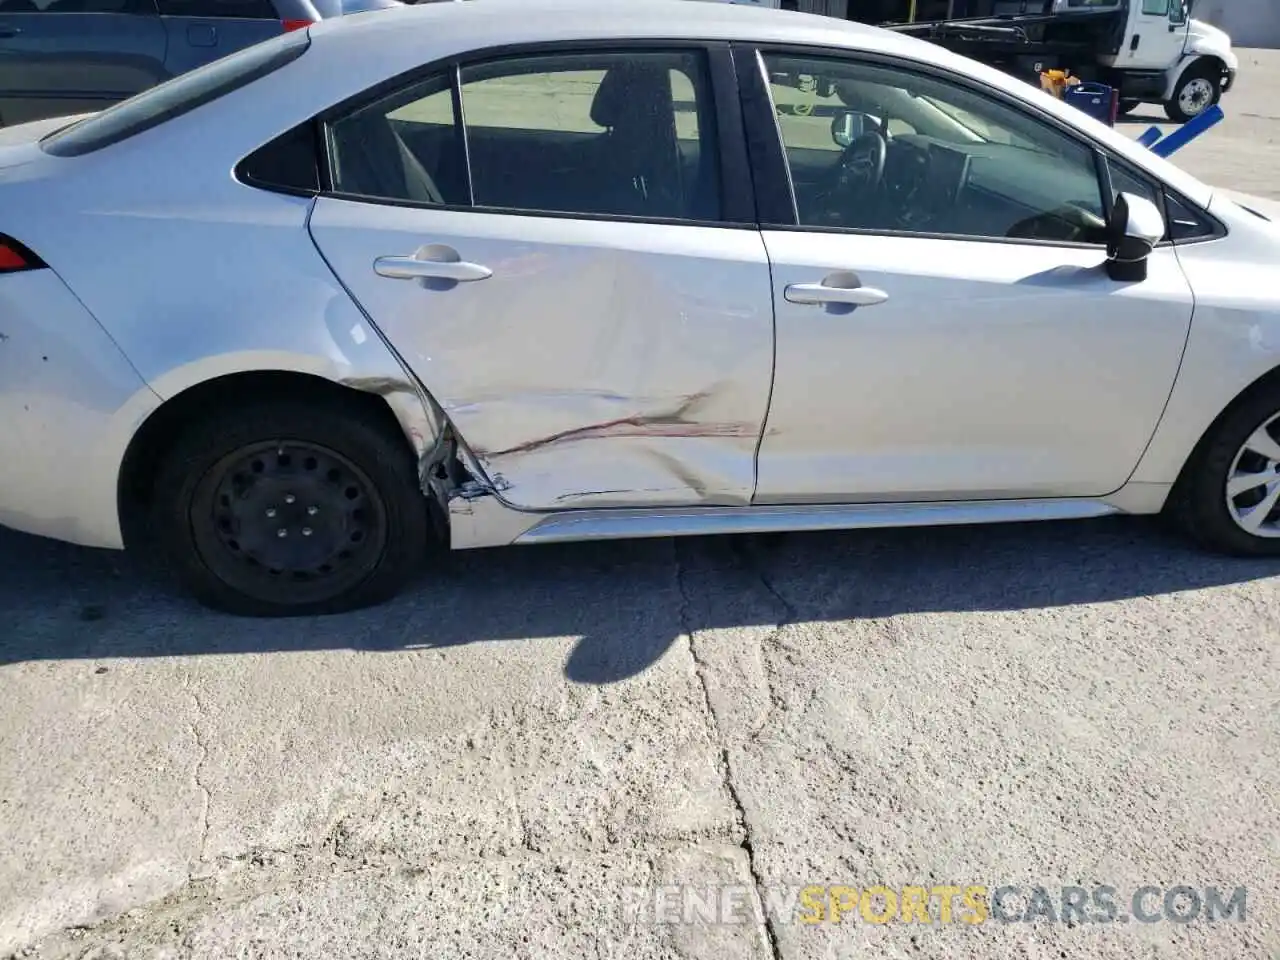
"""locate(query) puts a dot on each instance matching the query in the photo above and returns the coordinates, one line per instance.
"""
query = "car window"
(173, 98)
(406, 147)
(623, 134)
(889, 150)
(220, 9)
(615, 134)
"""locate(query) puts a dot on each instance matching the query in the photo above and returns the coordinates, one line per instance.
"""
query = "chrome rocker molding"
(483, 520)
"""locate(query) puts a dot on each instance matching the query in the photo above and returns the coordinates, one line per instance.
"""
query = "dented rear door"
(600, 363)
(573, 271)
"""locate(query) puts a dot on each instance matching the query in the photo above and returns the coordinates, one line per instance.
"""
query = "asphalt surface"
(509, 758)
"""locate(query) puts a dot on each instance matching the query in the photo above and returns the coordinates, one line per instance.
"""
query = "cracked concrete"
(486, 766)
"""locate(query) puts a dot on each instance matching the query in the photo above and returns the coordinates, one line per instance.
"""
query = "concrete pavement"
(509, 760)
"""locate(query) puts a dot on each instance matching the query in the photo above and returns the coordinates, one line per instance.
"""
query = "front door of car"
(562, 278)
(946, 328)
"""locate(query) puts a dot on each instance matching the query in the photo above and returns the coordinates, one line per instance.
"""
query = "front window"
(886, 150)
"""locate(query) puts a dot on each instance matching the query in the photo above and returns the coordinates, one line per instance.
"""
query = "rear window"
(175, 97)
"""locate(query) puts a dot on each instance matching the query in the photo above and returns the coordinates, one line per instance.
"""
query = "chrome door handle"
(816, 293)
(413, 268)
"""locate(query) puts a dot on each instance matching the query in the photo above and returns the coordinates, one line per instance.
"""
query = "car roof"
(534, 21)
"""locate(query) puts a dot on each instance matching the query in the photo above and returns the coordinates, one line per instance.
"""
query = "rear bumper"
(69, 403)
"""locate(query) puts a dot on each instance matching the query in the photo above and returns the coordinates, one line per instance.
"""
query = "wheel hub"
(1195, 96)
(294, 512)
(1253, 483)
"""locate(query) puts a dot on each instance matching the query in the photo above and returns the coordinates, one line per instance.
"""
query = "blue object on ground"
(1188, 131)
(1096, 99)
(1151, 136)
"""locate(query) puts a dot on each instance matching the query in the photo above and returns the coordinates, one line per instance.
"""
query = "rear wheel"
(1229, 497)
(1198, 89)
(288, 509)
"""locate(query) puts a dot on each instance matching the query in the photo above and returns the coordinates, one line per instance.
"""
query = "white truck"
(1152, 51)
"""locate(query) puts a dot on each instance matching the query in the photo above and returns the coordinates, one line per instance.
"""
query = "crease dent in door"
(675, 418)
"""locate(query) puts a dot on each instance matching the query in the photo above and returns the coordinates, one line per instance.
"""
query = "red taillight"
(295, 25)
(14, 257)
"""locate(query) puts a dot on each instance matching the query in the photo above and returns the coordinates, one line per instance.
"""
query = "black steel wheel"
(284, 510)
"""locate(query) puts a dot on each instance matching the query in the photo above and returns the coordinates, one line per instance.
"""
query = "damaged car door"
(561, 272)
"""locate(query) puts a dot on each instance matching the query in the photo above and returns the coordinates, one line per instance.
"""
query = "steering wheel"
(859, 170)
(862, 162)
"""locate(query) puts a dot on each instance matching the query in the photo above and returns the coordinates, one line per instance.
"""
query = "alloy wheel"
(1253, 482)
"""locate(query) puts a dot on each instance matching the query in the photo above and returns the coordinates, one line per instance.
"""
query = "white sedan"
(520, 272)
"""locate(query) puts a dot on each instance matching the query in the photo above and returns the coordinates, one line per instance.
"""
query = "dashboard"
(986, 189)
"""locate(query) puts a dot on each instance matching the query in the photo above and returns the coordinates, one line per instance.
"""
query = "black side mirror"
(1135, 227)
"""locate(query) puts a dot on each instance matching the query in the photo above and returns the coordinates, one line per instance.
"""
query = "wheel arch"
(1270, 380)
(1192, 61)
(158, 432)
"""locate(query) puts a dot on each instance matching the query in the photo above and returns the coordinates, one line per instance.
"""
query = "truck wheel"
(289, 508)
(1198, 89)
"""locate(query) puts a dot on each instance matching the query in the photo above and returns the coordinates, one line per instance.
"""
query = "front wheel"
(1198, 89)
(1229, 496)
(287, 509)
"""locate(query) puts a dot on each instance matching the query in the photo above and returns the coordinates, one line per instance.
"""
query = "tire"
(1200, 86)
(318, 471)
(1200, 503)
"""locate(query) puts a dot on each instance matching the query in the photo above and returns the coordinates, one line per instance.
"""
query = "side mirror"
(846, 127)
(1135, 227)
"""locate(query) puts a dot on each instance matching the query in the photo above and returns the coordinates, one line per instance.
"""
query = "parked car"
(519, 273)
(64, 57)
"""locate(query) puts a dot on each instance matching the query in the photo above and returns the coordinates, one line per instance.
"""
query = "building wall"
(1251, 23)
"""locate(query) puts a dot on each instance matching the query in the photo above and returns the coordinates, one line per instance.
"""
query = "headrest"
(629, 89)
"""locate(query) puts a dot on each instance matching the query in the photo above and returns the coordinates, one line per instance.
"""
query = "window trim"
(773, 167)
(737, 205)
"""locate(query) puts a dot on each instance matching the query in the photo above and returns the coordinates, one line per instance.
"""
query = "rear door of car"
(62, 57)
(200, 31)
(579, 281)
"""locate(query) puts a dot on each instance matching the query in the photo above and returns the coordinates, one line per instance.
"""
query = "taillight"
(14, 257)
(295, 25)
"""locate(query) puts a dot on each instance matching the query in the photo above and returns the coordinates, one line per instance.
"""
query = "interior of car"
(902, 160)
(628, 162)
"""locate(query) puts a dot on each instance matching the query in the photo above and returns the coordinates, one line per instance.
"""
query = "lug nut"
(306, 531)
(289, 498)
(271, 511)
(312, 511)
(282, 532)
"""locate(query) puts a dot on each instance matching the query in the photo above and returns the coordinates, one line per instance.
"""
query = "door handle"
(818, 293)
(415, 268)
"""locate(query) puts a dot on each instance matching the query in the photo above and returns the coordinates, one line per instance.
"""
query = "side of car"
(630, 291)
